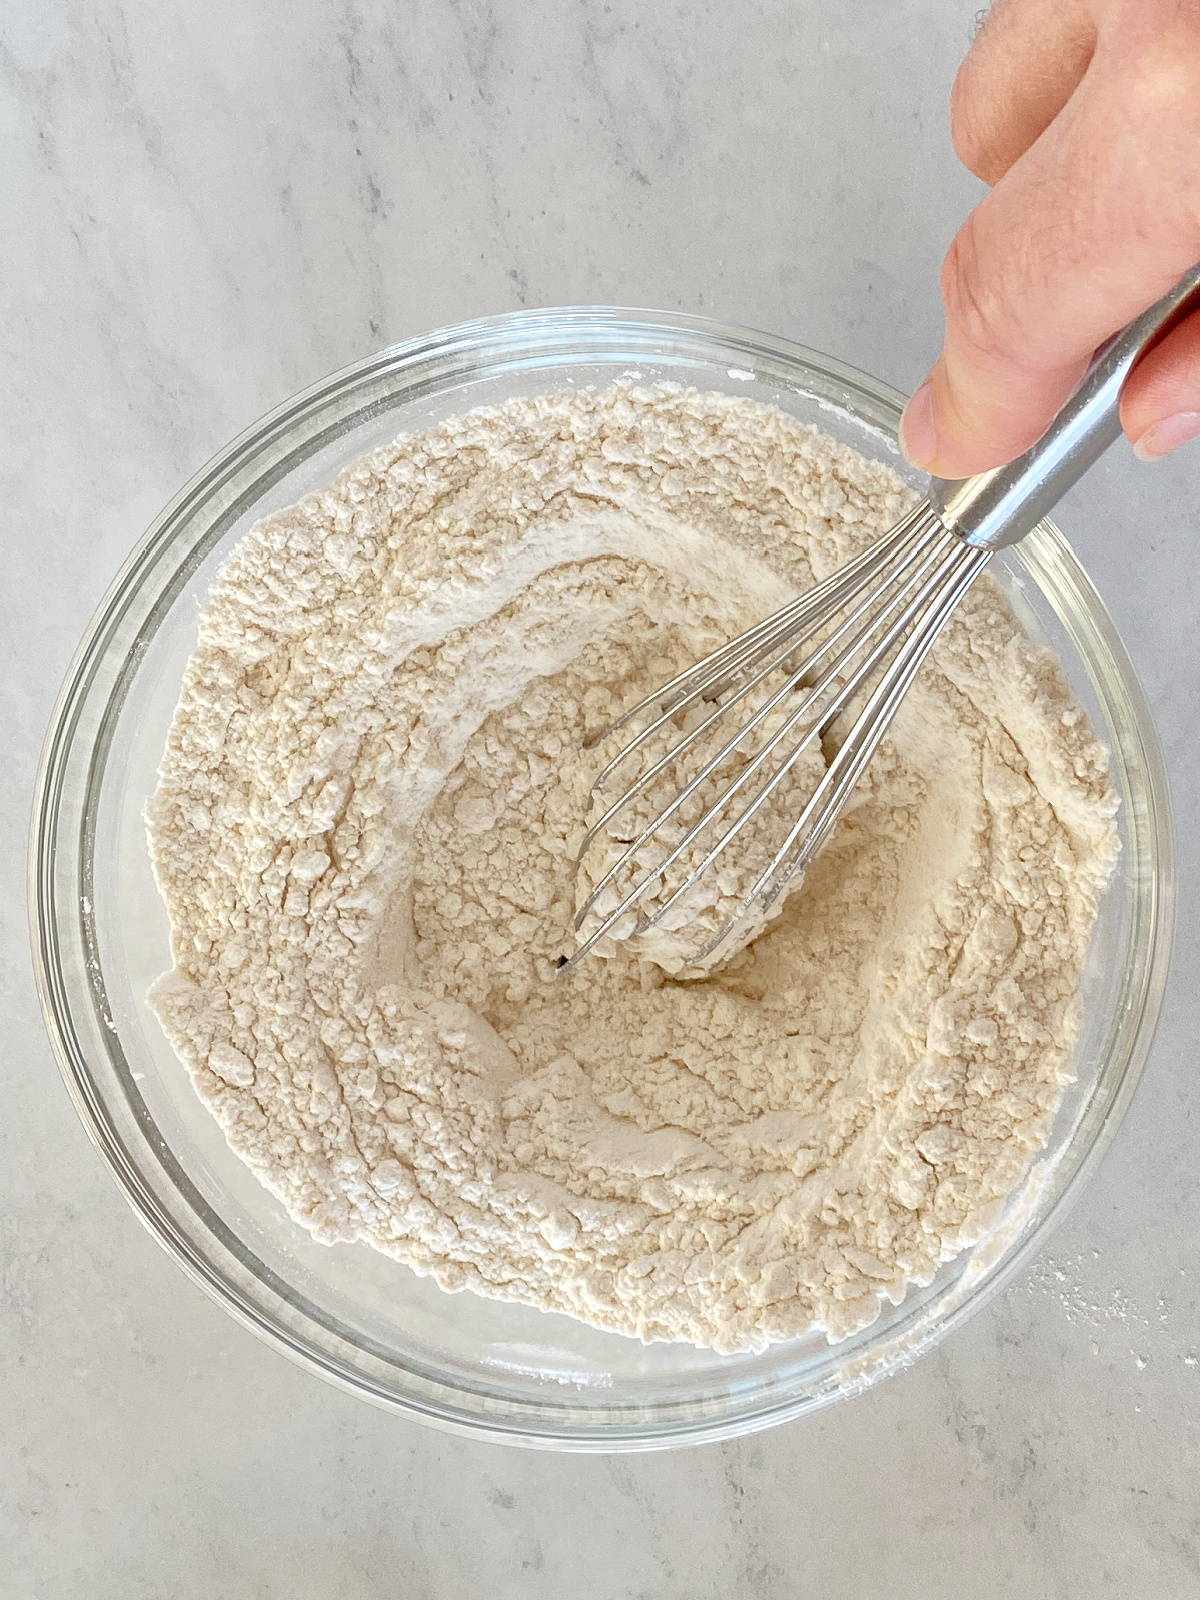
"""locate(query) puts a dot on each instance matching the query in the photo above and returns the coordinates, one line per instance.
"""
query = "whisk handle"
(999, 507)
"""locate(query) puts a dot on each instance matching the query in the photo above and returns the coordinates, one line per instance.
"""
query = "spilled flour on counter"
(365, 830)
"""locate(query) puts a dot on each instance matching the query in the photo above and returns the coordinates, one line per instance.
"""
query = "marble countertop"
(209, 207)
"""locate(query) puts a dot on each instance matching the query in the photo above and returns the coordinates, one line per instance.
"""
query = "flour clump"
(365, 832)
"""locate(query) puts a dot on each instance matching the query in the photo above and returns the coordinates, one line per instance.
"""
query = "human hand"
(1084, 115)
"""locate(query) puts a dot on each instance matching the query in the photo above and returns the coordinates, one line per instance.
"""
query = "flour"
(365, 829)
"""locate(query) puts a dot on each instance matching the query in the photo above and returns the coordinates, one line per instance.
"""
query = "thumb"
(1091, 225)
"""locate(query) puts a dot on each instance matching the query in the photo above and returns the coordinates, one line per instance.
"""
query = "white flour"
(365, 830)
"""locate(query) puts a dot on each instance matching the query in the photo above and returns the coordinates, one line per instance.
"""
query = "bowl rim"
(558, 333)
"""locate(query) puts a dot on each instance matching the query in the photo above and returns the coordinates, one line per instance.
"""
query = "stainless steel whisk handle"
(1000, 507)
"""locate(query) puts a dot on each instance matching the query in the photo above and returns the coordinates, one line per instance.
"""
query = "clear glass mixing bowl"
(100, 931)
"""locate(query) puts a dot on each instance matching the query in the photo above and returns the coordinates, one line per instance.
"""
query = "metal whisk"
(733, 727)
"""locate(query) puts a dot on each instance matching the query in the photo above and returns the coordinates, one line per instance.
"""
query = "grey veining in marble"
(208, 207)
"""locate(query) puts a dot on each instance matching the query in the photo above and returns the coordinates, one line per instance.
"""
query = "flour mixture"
(365, 831)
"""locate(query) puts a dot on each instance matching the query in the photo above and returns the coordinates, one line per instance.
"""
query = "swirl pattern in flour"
(365, 830)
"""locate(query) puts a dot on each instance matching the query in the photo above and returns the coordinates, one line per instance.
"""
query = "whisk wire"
(925, 571)
(948, 549)
(936, 543)
(696, 680)
(963, 568)
(794, 681)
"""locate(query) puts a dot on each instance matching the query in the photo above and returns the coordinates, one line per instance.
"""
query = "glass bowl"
(99, 928)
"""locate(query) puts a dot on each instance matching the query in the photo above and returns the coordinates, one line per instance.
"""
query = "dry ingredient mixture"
(365, 831)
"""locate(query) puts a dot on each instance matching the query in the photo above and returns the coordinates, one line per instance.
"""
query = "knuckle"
(1156, 116)
(1161, 85)
(969, 133)
(981, 97)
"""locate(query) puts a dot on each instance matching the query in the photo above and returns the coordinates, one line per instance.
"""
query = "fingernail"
(1167, 435)
(918, 436)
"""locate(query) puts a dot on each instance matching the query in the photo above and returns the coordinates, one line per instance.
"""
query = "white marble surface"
(207, 207)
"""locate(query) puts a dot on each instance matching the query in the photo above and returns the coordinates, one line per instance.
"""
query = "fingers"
(1019, 74)
(1160, 405)
(1097, 219)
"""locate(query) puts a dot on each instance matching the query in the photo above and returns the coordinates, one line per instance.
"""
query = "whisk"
(736, 724)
